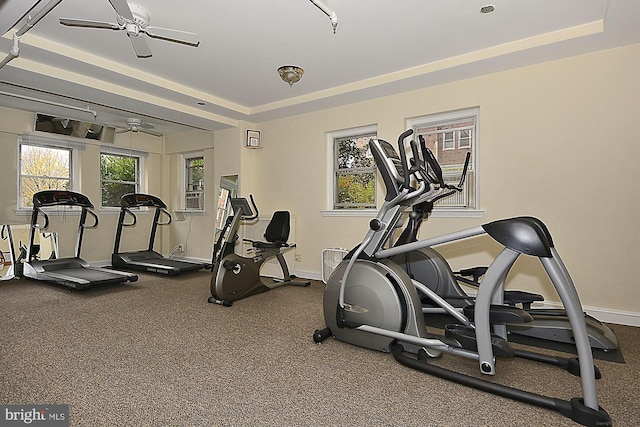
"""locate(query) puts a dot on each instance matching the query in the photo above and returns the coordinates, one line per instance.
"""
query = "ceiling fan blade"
(89, 23)
(122, 8)
(184, 37)
(140, 46)
(150, 132)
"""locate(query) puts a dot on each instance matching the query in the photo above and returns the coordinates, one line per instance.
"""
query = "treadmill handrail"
(40, 212)
(132, 215)
(167, 214)
(95, 219)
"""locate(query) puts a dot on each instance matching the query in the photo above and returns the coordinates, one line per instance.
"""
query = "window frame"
(122, 152)
(332, 173)
(186, 157)
(41, 141)
(456, 116)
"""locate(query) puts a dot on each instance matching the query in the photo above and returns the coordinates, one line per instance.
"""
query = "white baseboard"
(618, 317)
(605, 315)
(309, 275)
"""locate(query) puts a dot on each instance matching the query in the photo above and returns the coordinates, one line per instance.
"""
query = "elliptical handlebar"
(428, 156)
(403, 157)
(255, 208)
(437, 177)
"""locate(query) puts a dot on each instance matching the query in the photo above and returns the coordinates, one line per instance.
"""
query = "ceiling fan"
(134, 20)
(137, 125)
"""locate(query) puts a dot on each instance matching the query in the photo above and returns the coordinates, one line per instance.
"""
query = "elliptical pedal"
(466, 336)
(501, 314)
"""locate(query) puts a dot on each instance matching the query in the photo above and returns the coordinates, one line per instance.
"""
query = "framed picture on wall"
(253, 139)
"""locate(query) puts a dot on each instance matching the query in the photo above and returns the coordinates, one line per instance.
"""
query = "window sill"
(437, 213)
(116, 211)
(180, 213)
(50, 211)
(189, 211)
(457, 213)
(370, 213)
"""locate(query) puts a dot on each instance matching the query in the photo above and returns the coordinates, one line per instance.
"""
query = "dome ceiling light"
(290, 73)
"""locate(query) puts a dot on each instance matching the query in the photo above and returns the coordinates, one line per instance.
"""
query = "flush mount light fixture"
(487, 9)
(290, 74)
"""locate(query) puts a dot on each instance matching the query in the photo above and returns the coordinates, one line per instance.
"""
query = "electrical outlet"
(181, 247)
(298, 258)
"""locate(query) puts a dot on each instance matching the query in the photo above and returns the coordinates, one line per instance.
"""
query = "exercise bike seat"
(276, 233)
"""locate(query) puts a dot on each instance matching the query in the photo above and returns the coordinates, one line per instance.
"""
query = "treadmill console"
(135, 200)
(60, 198)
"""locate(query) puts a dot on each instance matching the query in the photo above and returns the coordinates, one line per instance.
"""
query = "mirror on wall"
(228, 189)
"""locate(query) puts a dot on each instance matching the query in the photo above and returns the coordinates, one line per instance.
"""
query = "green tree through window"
(195, 173)
(118, 176)
(355, 173)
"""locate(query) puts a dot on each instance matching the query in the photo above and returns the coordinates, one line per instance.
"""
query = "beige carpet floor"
(155, 353)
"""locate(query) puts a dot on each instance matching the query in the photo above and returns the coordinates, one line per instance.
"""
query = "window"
(45, 164)
(353, 170)
(194, 182)
(119, 175)
(451, 136)
(448, 141)
(464, 138)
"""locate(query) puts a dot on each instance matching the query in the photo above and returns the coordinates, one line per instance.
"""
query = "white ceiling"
(380, 47)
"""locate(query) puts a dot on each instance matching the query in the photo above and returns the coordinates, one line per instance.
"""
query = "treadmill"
(148, 260)
(72, 272)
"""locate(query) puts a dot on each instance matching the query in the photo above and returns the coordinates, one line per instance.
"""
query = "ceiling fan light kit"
(134, 124)
(290, 74)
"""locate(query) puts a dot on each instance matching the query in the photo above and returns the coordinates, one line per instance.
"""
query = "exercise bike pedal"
(501, 314)
(466, 336)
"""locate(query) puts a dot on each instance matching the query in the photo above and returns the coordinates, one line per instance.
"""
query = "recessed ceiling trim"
(129, 72)
(537, 41)
(96, 84)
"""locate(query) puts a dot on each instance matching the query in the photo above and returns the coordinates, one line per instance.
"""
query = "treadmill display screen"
(60, 197)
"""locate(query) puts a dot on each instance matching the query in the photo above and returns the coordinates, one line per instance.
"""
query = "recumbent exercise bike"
(234, 276)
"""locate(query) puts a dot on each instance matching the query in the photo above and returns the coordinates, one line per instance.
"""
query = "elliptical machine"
(234, 276)
(370, 301)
